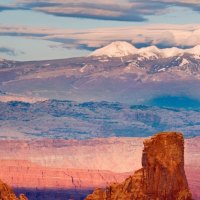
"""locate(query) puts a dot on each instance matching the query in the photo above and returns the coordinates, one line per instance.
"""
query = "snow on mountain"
(149, 52)
(116, 49)
(195, 50)
(184, 62)
(171, 52)
(121, 49)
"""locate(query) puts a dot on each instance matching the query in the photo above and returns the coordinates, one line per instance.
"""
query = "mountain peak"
(195, 50)
(148, 52)
(122, 48)
(116, 49)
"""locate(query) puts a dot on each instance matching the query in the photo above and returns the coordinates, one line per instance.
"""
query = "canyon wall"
(51, 165)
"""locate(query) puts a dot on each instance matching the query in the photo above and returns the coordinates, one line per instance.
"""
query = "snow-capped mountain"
(122, 49)
(116, 49)
(117, 72)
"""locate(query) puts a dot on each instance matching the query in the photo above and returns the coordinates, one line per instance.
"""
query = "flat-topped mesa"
(161, 178)
(6, 193)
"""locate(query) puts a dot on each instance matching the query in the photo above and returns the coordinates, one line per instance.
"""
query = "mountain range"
(122, 49)
(117, 72)
(77, 115)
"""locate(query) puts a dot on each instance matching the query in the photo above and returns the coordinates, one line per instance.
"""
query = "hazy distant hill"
(68, 119)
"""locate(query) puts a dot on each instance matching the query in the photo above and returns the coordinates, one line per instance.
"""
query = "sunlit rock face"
(6, 193)
(161, 177)
(24, 174)
(163, 167)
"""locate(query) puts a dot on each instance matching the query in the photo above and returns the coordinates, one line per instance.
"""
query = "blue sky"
(74, 29)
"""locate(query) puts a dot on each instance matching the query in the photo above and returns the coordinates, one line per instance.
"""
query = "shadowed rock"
(162, 176)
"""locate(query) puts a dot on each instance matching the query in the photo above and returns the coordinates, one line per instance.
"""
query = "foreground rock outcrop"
(48, 174)
(6, 193)
(162, 176)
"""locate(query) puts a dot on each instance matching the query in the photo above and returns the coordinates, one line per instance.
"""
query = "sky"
(53, 29)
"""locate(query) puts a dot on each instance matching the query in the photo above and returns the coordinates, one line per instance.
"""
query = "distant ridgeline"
(69, 119)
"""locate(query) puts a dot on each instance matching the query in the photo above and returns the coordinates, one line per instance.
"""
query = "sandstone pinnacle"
(162, 176)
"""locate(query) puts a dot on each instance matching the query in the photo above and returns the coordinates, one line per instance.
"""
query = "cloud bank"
(118, 10)
(182, 36)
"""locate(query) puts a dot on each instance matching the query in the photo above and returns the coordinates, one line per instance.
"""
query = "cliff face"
(162, 176)
(24, 174)
(6, 193)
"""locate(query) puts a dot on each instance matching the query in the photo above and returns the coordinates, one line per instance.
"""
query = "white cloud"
(159, 35)
(119, 10)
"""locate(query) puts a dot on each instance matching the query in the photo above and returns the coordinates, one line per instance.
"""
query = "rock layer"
(162, 176)
(41, 164)
(24, 174)
(6, 193)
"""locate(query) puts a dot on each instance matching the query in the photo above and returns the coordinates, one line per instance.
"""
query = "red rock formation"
(24, 174)
(6, 193)
(161, 178)
(41, 163)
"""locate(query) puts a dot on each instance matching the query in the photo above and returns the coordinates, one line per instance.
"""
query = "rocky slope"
(161, 177)
(6, 193)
